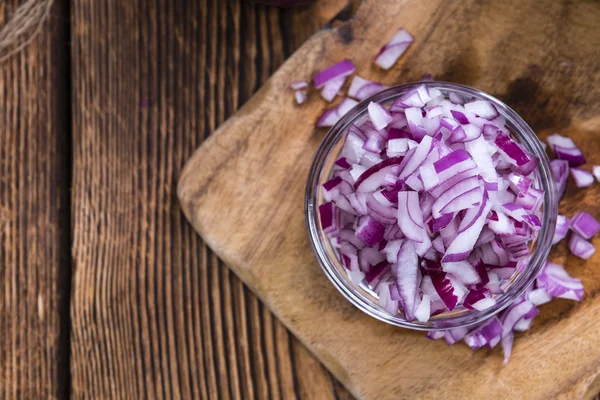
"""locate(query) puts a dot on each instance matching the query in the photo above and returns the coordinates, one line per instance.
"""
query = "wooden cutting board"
(243, 190)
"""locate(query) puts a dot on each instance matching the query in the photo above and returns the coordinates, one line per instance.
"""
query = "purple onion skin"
(281, 3)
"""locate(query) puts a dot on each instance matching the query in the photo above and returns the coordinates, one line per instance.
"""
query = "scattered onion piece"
(556, 282)
(361, 88)
(596, 170)
(332, 78)
(584, 225)
(300, 96)
(331, 88)
(507, 344)
(391, 52)
(581, 247)
(341, 69)
(565, 149)
(299, 85)
(333, 115)
(300, 93)
(582, 178)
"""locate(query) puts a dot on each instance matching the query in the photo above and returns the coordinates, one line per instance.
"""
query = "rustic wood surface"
(34, 214)
(243, 191)
(154, 313)
(97, 117)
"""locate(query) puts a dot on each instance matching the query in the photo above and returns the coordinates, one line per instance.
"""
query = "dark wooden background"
(105, 289)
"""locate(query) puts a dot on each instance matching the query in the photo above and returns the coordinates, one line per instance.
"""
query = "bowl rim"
(520, 283)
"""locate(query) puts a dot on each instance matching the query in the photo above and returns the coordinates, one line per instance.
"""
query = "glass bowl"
(361, 295)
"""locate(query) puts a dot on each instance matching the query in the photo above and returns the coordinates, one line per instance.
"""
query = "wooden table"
(105, 289)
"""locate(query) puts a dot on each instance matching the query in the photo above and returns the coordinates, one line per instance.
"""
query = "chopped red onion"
(565, 149)
(332, 88)
(369, 231)
(562, 228)
(584, 225)
(560, 169)
(300, 96)
(434, 205)
(410, 219)
(329, 220)
(335, 71)
(581, 247)
(488, 334)
(516, 312)
(482, 108)
(596, 170)
(582, 178)
(556, 282)
(299, 85)
(539, 296)
(444, 289)
(422, 312)
(512, 151)
(454, 335)
(331, 116)
(361, 88)
(456, 98)
(406, 271)
(434, 335)
(507, 344)
(391, 52)
(380, 116)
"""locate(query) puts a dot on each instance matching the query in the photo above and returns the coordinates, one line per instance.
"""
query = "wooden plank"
(34, 213)
(244, 192)
(154, 312)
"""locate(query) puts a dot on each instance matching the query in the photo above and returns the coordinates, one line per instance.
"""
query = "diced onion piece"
(422, 312)
(467, 234)
(410, 220)
(507, 344)
(565, 149)
(335, 71)
(299, 85)
(369, 231)
(300, 96)
(516, 312)
(539, 296)
(391, 52)
(512, 150)
(361, 88)
(406, 271)
(434, 335)
(581, 247)
(380, 117)
(562, 228)
(596, 171)
(584, 225)
(331, 116)
(331, 88)
(582, 178)
(557, 283)
(482, 108)
(488, 334)
(560, 169)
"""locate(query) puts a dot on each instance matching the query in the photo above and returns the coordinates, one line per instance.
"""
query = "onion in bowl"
(462, 187)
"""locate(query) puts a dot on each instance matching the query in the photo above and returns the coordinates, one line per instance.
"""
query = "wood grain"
(539, 57)
(154, 312)
(34, 214)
